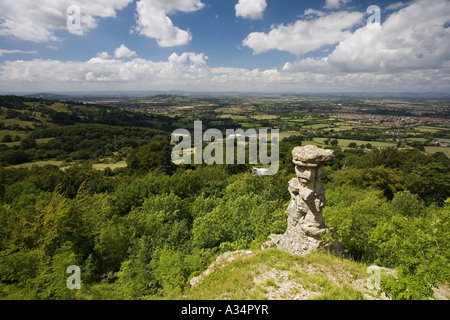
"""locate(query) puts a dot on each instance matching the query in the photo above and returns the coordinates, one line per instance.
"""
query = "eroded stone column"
(305, 220)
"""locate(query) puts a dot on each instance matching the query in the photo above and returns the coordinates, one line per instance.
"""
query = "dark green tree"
(155, 155)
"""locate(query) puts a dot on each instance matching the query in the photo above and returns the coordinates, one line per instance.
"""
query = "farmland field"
(427, 129)
(444, 150)
(345, 142)
(112, 166)
(38, 164)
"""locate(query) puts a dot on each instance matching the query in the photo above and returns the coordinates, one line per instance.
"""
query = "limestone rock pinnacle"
(305, 220)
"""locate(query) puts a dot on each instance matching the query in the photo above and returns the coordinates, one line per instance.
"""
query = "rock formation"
(305, 220)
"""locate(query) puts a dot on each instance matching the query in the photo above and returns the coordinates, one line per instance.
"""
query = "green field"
(113, 166)
(17, 143)
(287, 135)
(96, 166)
(247, 125)
(340, 128)
(17, 122)
(234, 117)
(317, 126)
(428, 129)
(444, 150)
(265, 117)
(345, 142)
(28, 165)
(294, 120)
(13, 133)
(418, 139)
(59, 107)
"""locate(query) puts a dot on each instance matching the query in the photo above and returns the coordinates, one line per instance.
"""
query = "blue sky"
(231, 45)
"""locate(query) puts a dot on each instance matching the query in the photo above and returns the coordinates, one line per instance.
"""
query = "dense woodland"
(144, 230)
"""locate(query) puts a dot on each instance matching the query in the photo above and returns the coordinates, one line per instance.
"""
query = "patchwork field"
(112, 166)
(345, 142)
(444, 150)
(38, 164)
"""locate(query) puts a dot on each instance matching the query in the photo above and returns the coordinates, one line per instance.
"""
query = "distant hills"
(50, 96)
(64, 96)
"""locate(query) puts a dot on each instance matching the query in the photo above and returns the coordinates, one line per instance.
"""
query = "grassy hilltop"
(277, 275)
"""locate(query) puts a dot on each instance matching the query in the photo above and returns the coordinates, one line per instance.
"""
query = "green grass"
(418, 139)
(235, 110)
(317, 126)
(59, 107)
(339, 128)
(346, 142)
(234, 117)
(103, 166)
(43, 140)
(38, 163)
(20, 123)
(246, 125)
(330, 292)
(432, 150)
(11, 144)
(96, 166)
(13, 133)
(287, 120)
(16, 143)
(287, 135)
(318, 275)
(265, 117)
(428, 129)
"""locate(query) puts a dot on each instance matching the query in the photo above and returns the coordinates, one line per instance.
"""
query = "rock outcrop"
(305, 220)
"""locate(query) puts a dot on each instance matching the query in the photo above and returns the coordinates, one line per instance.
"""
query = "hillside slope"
(276, 275)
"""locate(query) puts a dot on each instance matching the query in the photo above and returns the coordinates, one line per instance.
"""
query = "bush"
(13, 157)
(7, 138)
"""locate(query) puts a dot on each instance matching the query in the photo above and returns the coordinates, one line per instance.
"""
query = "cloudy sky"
(224, 45)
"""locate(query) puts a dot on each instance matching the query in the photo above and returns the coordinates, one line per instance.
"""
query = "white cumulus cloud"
(37, 21)
(334, 4)
(409, 53)
(250, 9)
(100, 73)
(305, 35)
(395, 6)
(189, 71)
(5, 51)
(103, 55)
(153, 20)
(124, 52)
(412, 38)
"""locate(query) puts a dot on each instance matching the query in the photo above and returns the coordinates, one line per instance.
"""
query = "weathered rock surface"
(305, 219)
